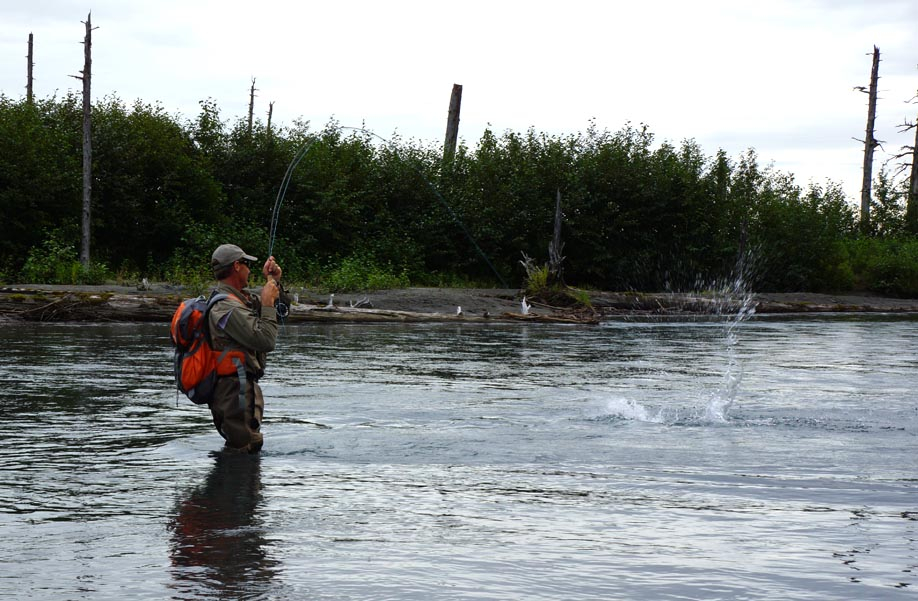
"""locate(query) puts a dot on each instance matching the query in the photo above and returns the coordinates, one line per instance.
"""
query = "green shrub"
(580, 297)
(537, 280)
(886, 266)
(50, 263)
(361, 272)
(56, 262)
(96, 273)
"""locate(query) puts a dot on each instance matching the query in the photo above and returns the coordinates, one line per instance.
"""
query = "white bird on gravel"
(331, 301)
(524, 306)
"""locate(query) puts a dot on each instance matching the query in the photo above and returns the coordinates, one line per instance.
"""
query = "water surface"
(692, 460)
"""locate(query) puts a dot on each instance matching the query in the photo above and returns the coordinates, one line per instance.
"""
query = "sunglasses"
(245, 262)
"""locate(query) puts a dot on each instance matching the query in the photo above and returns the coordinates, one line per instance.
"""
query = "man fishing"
(247, 322)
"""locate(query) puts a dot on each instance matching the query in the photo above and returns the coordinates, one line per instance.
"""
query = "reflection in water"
(218, 547)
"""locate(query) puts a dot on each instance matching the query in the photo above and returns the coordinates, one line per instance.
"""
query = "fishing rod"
(285, 183)
(282, 191)
(282, 309)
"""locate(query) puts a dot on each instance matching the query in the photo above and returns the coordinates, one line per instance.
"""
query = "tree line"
(363, 212)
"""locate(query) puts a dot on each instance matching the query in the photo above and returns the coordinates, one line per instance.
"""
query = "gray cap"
(226, 254)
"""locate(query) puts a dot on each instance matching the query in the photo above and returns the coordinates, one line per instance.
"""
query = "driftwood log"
(42, 305)
(95, 304)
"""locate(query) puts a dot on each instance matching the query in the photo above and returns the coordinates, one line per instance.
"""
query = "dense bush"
(361, 213)
(56, 262)
(363, 272)
(886, 266)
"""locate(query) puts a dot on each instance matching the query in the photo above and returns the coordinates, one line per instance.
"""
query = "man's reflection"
(217, 543)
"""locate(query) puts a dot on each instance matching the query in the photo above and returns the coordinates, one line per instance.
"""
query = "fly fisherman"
(247, 322)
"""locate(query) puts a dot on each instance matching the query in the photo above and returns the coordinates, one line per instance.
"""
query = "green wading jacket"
(240, 322)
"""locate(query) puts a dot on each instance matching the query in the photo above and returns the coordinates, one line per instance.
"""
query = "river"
(773, 458)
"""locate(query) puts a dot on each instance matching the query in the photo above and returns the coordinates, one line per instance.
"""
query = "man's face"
(244, 270)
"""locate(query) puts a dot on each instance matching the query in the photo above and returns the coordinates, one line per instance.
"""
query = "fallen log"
(313, 313)
(41, 305)
(98, 304)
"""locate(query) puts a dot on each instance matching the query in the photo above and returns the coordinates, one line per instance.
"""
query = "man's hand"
(271, 270)
(269, 293)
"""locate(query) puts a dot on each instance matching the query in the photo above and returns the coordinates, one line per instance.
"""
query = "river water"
(768, 459)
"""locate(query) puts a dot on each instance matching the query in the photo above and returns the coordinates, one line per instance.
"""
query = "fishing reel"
(282, 309)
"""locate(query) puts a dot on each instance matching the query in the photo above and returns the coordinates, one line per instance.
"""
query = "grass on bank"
(54, 262)
(882, 266)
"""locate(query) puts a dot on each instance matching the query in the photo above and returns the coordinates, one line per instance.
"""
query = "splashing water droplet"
(736, 303)
(631, 410)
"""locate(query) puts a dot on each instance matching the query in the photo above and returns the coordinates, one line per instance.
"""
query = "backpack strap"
(211, 302)
(240, 365)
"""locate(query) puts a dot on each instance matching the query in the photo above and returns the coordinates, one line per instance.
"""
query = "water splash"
(731, 303)
(631, 410)
(735, 304)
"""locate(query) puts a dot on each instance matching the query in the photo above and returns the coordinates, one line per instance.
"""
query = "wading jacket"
(241, 322)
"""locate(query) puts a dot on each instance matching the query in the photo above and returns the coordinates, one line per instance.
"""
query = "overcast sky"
(776, 75)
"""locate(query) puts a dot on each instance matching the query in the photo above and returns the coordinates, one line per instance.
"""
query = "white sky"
(775, 75)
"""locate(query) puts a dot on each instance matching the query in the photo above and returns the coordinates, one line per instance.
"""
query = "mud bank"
(156, 303)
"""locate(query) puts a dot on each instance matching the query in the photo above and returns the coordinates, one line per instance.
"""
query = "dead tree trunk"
(29, 66)
(870, 142)
(251, 105)
(555, 258)
(87, 144)
(911, 203)
(452, 122)
(270, 113)
(269, 150)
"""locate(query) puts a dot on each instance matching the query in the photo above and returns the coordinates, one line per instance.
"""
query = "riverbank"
(156, 303)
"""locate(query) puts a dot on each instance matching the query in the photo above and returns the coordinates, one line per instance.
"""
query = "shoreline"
(157, 302)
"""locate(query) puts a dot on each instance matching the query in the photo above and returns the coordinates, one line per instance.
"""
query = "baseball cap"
(226, 254)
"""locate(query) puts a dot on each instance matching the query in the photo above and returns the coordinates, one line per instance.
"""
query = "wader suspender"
(240, 371)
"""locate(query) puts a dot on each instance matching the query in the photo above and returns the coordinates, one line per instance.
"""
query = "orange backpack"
(196, 363)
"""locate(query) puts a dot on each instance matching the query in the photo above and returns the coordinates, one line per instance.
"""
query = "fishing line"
(285, 183)
(282, 191)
